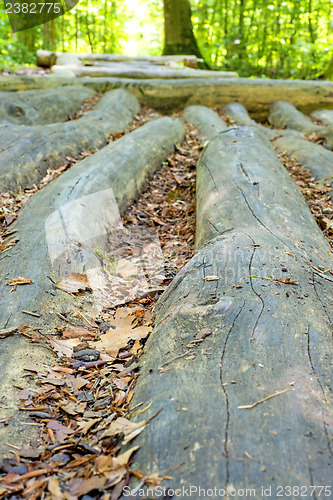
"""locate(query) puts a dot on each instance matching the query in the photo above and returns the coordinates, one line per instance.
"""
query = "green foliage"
(258, 38)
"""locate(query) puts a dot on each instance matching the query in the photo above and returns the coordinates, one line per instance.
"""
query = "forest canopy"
(259, 38)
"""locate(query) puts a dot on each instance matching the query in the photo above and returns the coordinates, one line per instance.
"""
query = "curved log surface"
(228, 335)
(323, 115)
(284, 114)
(125, 166)
(139, 72)
(22, 164)
(205, 119)
(290, 142)
(43, 106)
(172, 95)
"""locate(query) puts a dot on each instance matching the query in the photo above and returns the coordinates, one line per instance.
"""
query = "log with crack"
(62, 230)
(27, 152)
(43, 106)
(285, 114)
(314, 157)
(249, 318)
(173, 95)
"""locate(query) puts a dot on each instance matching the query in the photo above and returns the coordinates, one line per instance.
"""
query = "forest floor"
(80, 450)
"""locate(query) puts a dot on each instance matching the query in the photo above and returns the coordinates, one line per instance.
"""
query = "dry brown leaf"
(73, 332)
(107, 463)
(124, 426)
(117, 339)
(64, 347)
(73, 283)
(19, 281)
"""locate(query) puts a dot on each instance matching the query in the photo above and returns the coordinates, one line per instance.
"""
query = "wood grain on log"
(171, 95)
(124, 167)
(263, 336)
(28, 152)
(42, 106)
(314, 157)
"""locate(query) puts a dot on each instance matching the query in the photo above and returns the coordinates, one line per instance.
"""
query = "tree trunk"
(228, 334)
(83, 193)
(23, 165)
(178, 29)
(329, 71)
(323, 115)
(205, 119)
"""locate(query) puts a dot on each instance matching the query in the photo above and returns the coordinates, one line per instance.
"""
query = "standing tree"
(329, 70)
(178, 29)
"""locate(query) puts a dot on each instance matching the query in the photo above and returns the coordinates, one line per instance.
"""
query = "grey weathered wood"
(47, 58)
(290, 142)
(171, 95)
(205, 119)
(323, 115)
(125, 166)
(263, 336)
(27, 152)
(284, 114)
(42, 106)
(127, 70)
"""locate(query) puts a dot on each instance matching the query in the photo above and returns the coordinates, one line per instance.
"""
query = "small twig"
(31, 313)
(85, 319)
(248, 407)
(177, 357)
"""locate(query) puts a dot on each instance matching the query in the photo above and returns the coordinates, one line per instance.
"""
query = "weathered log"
(86, 193)
(323, 115)
(46, 58)
(67, 59)
(172, 95)
(140, 72)
(28, 152)
(42, 106)
(290, 142)
(284, 114)
(205, 119)
(229, 334)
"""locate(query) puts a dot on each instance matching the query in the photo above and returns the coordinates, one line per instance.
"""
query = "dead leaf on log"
(117, 339)
(74, 283)
(64, 347)
(125, 427)
(19, 281)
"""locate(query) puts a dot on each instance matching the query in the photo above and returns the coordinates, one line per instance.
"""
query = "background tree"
(178, 29)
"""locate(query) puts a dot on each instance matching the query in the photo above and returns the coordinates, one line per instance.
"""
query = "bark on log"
(205, 119)
(172, 95)
(43, 106)
(228, 335)
(284, 114)
(292, 143)
(22, 164)
(67, 59)
(142, 72)
(125, 166)
(46, 58)
(323, 115)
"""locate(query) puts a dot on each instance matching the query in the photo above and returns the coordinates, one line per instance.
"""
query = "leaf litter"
(81, 404)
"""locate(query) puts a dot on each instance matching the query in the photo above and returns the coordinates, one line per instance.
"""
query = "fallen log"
(205, 119)
(47, 59)
(284, 114)
(86, 199)
(43, 106)
(173, 95)
(239, 358)
(28, 152)
(140, 72)
(292, 143)
(323, 115)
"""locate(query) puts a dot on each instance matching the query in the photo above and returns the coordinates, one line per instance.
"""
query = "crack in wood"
(321, 388)
(226, 432)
